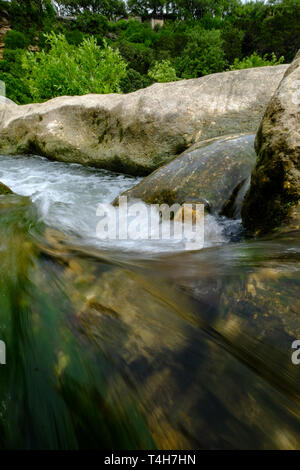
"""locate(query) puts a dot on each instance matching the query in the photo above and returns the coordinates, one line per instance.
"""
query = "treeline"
(198, 37)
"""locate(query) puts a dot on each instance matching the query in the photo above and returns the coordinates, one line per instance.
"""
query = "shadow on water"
(115, 351)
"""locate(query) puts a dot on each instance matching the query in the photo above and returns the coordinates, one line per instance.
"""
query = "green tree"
(110, 8)
(163, 72)
(146, 8)
(202, 55)
(70, 70)
(12, 75)
(34, 11)
(138, 56)
(134, 81)
(256, 61)
(92, 23)
(200, 8)
(232, 42)
(15, 40)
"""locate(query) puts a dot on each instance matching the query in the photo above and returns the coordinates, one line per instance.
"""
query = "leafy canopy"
(70, 70)
(163, 72)
(256, 61)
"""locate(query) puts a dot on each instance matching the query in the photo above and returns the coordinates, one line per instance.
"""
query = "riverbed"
(139, 344)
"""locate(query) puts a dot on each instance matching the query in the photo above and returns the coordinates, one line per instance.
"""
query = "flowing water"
(67, 197)
(134, 344)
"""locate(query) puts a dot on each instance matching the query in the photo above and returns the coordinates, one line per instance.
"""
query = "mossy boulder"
(273, 199)
(211, 173)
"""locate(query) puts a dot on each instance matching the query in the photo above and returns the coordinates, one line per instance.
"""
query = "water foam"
(67, 196)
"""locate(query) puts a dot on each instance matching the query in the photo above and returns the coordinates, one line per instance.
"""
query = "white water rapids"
(67, 197)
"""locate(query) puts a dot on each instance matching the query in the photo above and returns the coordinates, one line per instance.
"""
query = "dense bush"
(139, 57)
(70, 70)
(256, 61)
(16, 40)
(134, 81)
(74, 37)
(16, 89)
(92, 24)
(198, 37)
(12, 75)
(202, 55)
(163, 72)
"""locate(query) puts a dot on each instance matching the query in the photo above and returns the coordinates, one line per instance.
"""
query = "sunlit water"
(67, 197)
(114, 348)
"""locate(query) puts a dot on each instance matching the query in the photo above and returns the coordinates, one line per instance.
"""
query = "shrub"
(256, 61)
(15, 40)
(163, 72)
(74, 37)
(139, 33)
(92, 23)
(12, 75)
(138, 56)
(134, 81)
(202, 55)
(70, 70)
(16, 89)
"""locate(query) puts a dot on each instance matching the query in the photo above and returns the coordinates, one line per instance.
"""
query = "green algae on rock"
(5, 189)
(272, 201)
(210, 173)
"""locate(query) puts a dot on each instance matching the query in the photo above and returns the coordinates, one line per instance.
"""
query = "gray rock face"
(138, 132)
(274, 195)
(4, 100)
(213, 174)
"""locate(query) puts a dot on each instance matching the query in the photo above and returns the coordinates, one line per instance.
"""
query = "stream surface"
(67, 197)
(126, 344)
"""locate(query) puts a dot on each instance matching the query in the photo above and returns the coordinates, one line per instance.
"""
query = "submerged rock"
(212, 174)
(111, 369)
(138, 132)
(261, 308)
(5, 189)
(273, 198)
(188, 366)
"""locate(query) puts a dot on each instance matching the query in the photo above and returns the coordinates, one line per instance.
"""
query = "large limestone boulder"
(212, 173)
(138, 132)
(273, 198)
(4, 100)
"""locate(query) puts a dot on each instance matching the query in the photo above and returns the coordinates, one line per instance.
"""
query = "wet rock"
(5, 189)
(163, 349)
(138, 132)
(211, 174)
(273, 199)
(260, 310)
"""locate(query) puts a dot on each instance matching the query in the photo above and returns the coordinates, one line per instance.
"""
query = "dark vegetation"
(198, 37)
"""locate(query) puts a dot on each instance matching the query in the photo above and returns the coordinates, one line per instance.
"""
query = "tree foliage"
(163, 72)
(256, 61)
(202, 55)
(198, 37)
(111, 9)
(67, 70)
